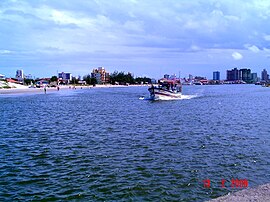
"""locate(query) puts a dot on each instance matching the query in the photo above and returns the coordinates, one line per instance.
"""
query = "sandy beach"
(25, 89)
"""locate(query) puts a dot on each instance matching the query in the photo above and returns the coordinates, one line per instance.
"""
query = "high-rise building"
(19, 74)
(254, 77)
(233, 75)
(216, 76)
(101, 75)
(245, 75)
(265, 76)
(190, 77)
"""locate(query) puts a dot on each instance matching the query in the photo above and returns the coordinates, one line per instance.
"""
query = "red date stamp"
(234, 183)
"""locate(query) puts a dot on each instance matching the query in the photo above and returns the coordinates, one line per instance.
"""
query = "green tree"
(142, 79)
(121, 78)
(74, 80)
(54, 78)
(29, 81)
(89, 80)
(93, 81)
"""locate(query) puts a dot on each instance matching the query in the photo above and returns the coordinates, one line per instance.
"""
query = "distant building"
(65, 77)
(2, 76)
(245, 75)
(233, 75)
(173, 76)
(170, 77)
(190, 77)
(29, 76)
(166, 76)
(254, 77)
(265, 76)
(216, 76)
(43, 82)
(153, 81)
(198, 78)
(19, 74)
(11, 80)
(101, 75)
(82, 82)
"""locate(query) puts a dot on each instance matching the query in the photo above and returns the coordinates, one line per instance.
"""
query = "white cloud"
(262, 6)
(252, 48)
(266, 50)
(136, 27)
(62, 17)
(237, 56)
(3, 52)
(194, 48)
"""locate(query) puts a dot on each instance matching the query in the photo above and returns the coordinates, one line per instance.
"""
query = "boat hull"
(161, 94)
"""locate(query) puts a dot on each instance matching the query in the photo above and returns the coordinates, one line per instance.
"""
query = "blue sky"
(148, 38)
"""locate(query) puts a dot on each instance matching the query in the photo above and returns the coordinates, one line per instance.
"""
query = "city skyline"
(148, 38)
(234, 74)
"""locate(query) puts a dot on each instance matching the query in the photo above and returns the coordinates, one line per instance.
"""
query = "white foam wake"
(187, 97)
(183, 97)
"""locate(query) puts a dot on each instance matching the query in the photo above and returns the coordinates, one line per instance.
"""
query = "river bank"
(260, 194)
(26, 89)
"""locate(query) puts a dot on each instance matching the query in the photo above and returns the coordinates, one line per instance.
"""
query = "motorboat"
(166, 90)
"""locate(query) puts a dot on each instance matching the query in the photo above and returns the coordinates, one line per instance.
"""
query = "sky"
(145, 37)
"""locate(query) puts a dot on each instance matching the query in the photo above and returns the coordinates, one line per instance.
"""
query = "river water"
(106, 144)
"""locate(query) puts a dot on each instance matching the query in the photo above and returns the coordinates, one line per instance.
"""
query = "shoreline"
(69, 87)
(260, 193)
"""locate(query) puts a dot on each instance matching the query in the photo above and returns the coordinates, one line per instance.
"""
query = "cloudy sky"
(146, 37)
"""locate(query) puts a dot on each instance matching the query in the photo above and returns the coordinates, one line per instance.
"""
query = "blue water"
(106, 144)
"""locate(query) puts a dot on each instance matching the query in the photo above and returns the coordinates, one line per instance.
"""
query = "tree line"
(116, 77)
(127, 78)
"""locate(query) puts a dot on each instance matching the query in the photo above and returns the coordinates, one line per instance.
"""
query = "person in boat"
(168, 86)
(172, 87)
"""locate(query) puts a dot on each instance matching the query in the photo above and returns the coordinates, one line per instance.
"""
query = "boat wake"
(183, 97)
(187, 97)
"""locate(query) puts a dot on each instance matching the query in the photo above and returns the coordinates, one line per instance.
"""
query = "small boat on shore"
(166, 90)
(266, 85)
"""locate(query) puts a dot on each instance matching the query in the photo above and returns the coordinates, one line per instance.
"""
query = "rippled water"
(107, 144)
